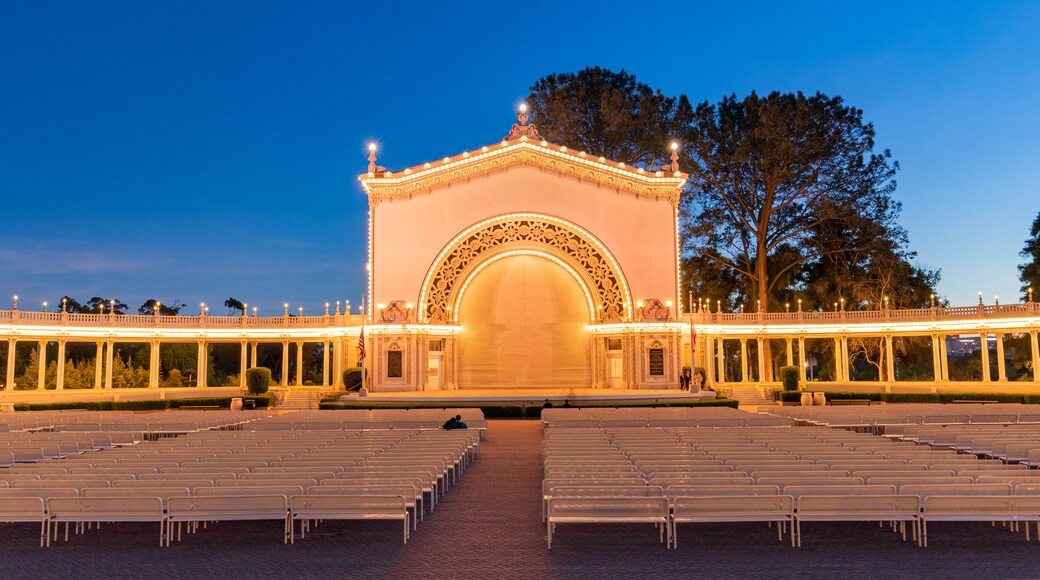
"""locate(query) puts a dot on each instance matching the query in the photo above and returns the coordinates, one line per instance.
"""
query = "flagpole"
(693, 343)
(363, 391)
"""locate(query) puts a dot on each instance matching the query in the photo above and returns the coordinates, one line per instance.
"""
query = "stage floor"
(537, 396)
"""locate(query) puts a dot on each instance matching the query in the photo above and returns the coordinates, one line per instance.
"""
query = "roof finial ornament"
(522, 128)
(675, 157)
(372, 167)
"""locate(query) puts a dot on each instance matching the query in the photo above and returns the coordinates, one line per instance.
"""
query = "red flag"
(361, 338)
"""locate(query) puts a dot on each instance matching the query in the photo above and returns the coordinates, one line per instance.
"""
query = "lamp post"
(15, 306)
(245, 310)
(45, 306)
(254, 312)
(64, 304)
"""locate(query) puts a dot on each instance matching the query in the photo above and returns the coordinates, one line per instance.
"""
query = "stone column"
(202, 364)
(1036, 356)
(936, 359)
(285, 364)
(299, 364)
(41, 368)
(984, 351)
(743, 360)
(60, 379)
(802, 359)
(243, 361)
(944, 358)
(890, 360)
(838, 372)
(9, 381)
(709, 361)
(110, 355)
(252, 354)
(720, 356)
(99, 362)
(337, 363)
(1001, 370)
(325, 362)
(153, 364)
(790, 351)
(761, 360)
(845, 358)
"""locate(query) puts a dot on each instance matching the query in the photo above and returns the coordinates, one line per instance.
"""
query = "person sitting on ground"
(449, 424)
(566, 403)
(548, 404)
(458, 424)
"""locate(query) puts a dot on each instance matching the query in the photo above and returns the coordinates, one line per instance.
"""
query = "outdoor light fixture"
(45, 306)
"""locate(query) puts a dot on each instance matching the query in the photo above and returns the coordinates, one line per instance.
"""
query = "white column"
(944, 358)
(743, 360)
(890, 360)
(252, 355)
(9, 381)
(838, 373)
(936, 359)
(720, 356)
(299, 364)
(325, 362)
(1001, 370)
(761, 360)
(99, 362)
(41, 369)
(1036, 356)
(337, 362)
(243, 360)
(845, 358)
(153, 365)
(60, 379)
(802, 359)
(110, 355)
(790, 351)
(285, 363)
(202, 364)
(708, 344)
(984, 351)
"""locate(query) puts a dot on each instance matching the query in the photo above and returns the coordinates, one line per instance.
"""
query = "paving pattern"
(489, 526)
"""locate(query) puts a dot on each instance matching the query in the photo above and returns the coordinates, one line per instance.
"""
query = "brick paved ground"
(489, 526)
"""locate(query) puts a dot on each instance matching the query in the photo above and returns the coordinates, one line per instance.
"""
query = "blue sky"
(201, 150)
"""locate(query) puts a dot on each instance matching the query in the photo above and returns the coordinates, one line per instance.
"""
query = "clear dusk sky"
(202, 150)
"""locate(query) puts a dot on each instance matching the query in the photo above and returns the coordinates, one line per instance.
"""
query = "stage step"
(749, 396)
(300, 401)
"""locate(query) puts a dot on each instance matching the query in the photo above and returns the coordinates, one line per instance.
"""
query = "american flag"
(361, 338)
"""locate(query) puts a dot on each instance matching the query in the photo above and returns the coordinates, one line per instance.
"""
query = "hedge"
(533, 410)
(148, 405)
(794, 397)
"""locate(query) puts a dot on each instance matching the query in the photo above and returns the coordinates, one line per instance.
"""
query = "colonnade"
(105, 355)
(715, 355)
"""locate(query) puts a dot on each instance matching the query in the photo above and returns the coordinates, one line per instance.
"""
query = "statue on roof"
(522, 128)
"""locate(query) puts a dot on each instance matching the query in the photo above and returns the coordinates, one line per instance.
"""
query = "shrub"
(787, 396)
(998, 397)
(258, 379)
(910, 397)
(789, 377)
(150, 405)
(352, 379)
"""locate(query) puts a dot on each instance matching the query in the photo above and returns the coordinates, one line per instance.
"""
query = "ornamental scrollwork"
(606, 283)
(655, 311)
(396, 313)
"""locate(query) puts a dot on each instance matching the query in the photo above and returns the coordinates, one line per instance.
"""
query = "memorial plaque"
(657, 362)
(395, 366)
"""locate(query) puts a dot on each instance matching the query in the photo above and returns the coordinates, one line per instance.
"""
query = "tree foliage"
(234, 304)
(608, 113)
(1029, 273)
(164, 309)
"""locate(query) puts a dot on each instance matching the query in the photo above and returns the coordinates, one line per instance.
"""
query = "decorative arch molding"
(575, 247)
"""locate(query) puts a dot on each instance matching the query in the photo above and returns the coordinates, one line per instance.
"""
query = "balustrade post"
(59, 380)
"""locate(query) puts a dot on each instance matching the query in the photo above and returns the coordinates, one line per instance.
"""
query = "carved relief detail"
(654, 311)
(396, 313)
(583, 255)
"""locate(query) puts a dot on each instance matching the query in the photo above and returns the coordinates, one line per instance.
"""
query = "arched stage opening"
(524, 319)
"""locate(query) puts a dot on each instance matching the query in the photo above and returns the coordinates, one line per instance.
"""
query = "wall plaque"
(657, 362)
(395, 365)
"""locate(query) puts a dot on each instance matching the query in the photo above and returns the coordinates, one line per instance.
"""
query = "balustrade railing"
(18, 317)
(1028, 309)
